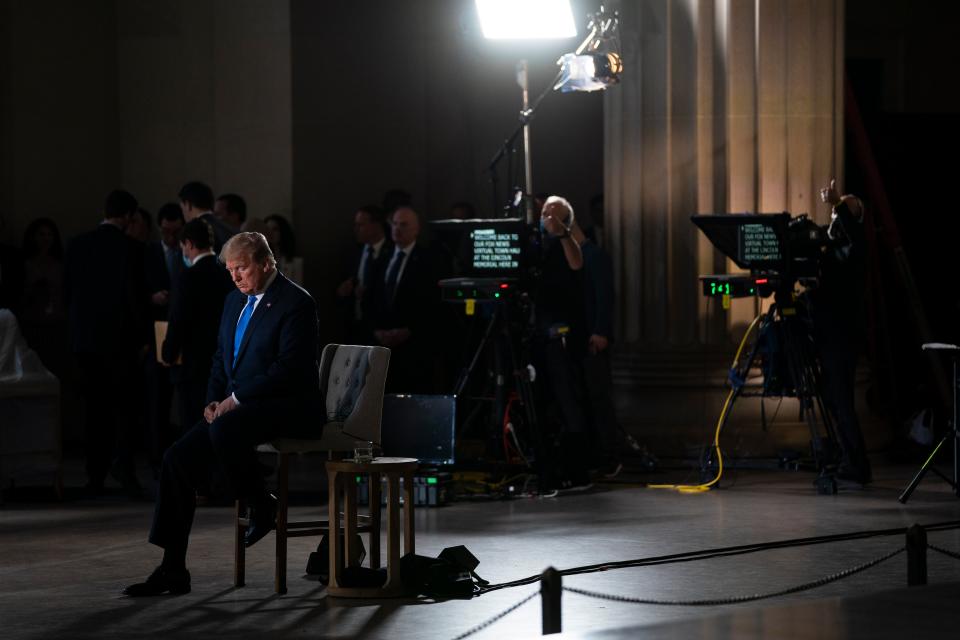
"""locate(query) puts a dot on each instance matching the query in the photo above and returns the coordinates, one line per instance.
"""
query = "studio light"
(590, 72)
(526, 19)
(594, 65)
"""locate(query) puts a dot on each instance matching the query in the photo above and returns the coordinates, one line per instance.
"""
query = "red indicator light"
(762, 280)
(504, 286)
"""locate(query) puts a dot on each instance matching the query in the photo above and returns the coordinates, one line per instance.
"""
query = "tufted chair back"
(352, 379)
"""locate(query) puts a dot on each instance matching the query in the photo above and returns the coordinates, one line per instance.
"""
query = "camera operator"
(598, 300)
(837, 310)
(563, 344)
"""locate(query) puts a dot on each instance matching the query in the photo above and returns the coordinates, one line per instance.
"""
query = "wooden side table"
(341, 477)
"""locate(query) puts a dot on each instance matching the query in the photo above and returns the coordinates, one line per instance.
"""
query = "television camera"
(779, 251)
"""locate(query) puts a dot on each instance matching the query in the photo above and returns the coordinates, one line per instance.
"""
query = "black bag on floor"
(451, 575)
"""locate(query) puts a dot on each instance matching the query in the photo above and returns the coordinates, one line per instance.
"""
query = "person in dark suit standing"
(360, 289)
(194, 318)
(408, 307)
(196, 201)
(104, 288)
(264, 383)
(163, 266)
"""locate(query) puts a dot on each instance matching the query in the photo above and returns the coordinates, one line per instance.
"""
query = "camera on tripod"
(777, 248)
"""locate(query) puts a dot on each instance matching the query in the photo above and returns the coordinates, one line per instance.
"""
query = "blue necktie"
(242, 325)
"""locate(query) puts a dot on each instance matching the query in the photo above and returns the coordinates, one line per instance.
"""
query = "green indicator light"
(459, 293)
(496, 295)
(359, 479)
(751, 289)
(431, 481)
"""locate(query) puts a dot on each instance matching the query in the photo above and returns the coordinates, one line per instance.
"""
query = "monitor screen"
(751, 240)
(758, 242)
(419, 426)
(484, 248)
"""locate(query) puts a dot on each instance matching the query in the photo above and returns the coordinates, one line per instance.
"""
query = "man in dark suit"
(408, 307)
(106, 309)
(360, 289)
(264, 381)
(194, 319)
(163, 265)
(196, 201)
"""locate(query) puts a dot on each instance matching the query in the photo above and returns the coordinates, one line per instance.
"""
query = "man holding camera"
(837, 309)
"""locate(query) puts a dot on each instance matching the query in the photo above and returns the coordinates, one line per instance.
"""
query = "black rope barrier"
(483, 625)
(743, 598)
(722, 552)
(946, 552)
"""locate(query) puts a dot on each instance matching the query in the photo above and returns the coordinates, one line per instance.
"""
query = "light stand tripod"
(954, 352)
(602, 26)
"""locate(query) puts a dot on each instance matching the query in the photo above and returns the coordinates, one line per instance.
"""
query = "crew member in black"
(837, 308)
(562, 344)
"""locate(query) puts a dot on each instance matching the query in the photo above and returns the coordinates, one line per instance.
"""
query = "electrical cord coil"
(743, 598)
(735, 387)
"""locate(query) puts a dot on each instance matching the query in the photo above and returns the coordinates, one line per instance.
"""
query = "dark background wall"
(148, 94)
(58, 112)
(901, 58)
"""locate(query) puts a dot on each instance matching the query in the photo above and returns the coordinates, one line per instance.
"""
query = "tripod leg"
(923, 470)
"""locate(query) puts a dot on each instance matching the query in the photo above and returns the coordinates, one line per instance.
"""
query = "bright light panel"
(526, 19)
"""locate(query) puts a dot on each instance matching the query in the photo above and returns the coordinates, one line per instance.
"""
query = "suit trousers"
(110, 430)
(228, 445)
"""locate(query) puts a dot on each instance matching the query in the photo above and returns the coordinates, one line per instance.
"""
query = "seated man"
(263, 381)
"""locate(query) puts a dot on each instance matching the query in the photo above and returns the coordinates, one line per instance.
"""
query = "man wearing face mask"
(561, 347)
(194, 318)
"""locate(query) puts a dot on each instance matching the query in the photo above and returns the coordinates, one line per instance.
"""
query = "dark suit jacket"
(415, 304)
(277, 362)
(372, 289)
(195, 312)
(104, 291)
(221, 231)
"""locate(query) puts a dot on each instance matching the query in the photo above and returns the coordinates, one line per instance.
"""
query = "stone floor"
(62, 565)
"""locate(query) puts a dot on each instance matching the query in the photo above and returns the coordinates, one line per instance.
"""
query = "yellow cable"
(700, 488)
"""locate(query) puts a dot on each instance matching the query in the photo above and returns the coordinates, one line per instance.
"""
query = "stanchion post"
(916, 556)
(551, 589)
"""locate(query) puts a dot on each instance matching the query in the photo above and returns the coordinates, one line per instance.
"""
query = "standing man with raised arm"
(838, 311)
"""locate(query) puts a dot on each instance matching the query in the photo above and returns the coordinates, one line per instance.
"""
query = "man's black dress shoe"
(161, 581)
(263, 518)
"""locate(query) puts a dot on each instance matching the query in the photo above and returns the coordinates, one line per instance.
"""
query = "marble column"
(724, 106)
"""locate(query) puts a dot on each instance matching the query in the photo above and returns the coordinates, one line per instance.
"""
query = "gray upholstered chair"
(352, 379)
